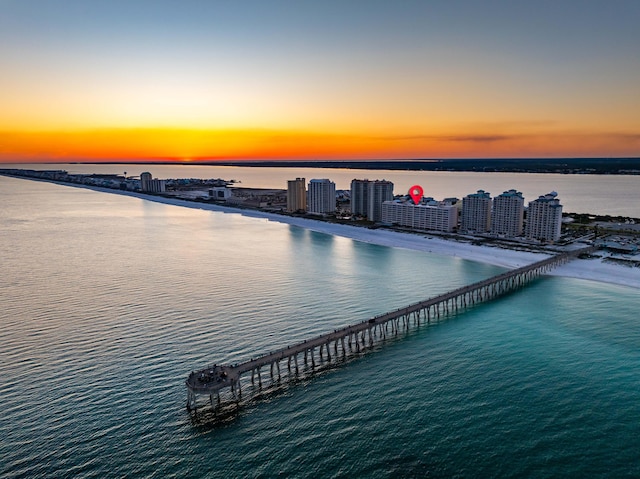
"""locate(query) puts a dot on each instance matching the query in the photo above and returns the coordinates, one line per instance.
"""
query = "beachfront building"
(321, 196)
(367, 197)
(427, 215)
(544, 218)
(296, 195)
(360, 197)
(476, 212)
(220, 193)
(150, 185)
(507, 216)
(145, 179)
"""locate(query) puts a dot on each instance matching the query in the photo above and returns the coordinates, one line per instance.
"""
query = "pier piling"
(214, 379)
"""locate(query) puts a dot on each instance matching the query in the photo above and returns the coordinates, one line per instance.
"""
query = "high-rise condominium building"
(360, 197)
(508, 214)
(367, 197)
(476, 212)
(544, 218)
(321, 196)
(296, 195)
(150, 185)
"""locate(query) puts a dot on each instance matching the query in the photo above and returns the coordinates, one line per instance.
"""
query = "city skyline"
(280, 80)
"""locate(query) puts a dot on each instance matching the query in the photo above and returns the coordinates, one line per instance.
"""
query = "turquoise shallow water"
(107, 302)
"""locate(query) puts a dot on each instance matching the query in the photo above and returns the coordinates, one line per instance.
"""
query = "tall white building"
(296, 195)
(367, 197)
(476, 212)
(544, 218)
(508, 214)
(321, 196)
(430, 215)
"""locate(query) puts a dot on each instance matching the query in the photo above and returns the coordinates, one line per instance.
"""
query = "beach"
(594, 269)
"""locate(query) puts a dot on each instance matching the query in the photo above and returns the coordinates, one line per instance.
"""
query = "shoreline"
(617, 165)
(586, 269)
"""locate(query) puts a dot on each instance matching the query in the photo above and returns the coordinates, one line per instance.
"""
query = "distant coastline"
(582, 166)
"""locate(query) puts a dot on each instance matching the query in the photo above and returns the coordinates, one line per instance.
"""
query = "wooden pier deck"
(210, 381)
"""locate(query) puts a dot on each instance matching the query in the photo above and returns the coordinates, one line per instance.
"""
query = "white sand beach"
(587, 269)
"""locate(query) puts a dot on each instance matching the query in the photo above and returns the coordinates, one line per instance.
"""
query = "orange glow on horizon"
(190, 145)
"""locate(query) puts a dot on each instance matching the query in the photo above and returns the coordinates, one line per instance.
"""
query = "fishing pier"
(214, 379)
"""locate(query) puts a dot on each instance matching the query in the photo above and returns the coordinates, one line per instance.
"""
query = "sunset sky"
(188, 80)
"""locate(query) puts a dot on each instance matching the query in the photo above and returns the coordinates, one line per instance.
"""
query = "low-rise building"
(220, 193)
(258, 197)
(428, 215)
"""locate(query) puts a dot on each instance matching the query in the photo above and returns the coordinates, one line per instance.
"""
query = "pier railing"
(215, 378)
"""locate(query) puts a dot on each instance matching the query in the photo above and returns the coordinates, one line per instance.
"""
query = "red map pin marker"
(416, 193)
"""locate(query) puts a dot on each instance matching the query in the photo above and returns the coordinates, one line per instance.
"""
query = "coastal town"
(506, 220)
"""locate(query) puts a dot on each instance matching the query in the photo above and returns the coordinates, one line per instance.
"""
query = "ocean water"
(108, 302)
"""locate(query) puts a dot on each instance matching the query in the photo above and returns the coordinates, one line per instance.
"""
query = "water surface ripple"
(107, 302)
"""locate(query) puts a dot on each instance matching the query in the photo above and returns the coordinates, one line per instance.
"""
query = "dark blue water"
(107, 302)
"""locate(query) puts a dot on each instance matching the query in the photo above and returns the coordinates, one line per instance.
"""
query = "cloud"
(625, 136)
(480, 138)
(506, 137)
(472, 138)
